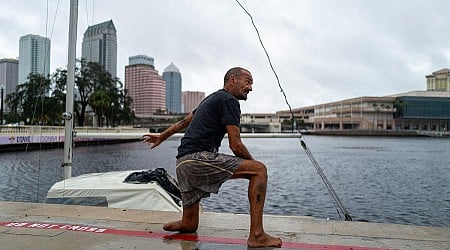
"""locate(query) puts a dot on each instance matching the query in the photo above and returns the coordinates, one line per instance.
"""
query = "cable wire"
(302, 141)
(268, 58)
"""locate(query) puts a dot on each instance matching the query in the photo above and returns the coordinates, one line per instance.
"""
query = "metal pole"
(1, 110)
(326, 181)
(68, 115)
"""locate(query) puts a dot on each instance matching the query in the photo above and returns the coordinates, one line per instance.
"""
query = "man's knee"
(261, 169)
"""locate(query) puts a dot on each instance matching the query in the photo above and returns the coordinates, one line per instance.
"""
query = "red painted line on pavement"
(168, 236)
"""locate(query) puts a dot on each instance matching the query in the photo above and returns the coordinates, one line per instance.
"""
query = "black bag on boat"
(159, 175)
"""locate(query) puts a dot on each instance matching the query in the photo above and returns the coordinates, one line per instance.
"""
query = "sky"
(322, 50)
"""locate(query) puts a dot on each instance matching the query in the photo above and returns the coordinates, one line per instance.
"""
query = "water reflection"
(399, 180)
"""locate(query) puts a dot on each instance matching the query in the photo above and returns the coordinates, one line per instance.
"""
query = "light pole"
(133, 115)
(1, 103)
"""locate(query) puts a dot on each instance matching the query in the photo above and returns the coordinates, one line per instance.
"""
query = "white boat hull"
(108, 189)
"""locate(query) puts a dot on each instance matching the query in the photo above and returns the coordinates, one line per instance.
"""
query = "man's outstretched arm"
(157, 139)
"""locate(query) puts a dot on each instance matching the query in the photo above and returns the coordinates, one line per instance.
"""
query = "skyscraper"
(34, 56)
(100, 46)
(172, 76)
(145, 86)
(9, 78)
(191, 99)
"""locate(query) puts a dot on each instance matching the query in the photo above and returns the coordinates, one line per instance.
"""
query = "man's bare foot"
(177, 226)
(173, 226)
(264, 240)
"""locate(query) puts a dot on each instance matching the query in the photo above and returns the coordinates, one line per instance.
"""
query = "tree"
(90, 77)
(32, 102)
(388, 112)
(375, 106)
(100, 101)
(42, 101)
(400, 109)
(123, 112)
(382, 116)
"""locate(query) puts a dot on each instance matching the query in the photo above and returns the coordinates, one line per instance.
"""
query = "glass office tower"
(172, 76)
(100, 46)
(34, 56)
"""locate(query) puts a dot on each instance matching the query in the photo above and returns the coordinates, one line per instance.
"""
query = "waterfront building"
(172, 76)
(100, 46)
(191, 99)
(260, 123)
(439, 80)
(145, 86)
(423, 111)
(416, 110)
(34, 56)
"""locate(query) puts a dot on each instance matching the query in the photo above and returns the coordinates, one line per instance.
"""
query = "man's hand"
(152, 139)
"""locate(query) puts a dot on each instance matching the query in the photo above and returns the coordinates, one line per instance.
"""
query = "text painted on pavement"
(54, 226)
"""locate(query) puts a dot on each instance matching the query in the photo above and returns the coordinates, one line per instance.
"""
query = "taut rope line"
(302, 140)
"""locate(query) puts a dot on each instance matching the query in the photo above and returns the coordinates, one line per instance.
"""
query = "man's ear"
(234, 79)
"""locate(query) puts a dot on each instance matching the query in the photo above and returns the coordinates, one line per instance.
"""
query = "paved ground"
(47, 226)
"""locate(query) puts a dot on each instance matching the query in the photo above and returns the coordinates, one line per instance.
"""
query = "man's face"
(243, 85)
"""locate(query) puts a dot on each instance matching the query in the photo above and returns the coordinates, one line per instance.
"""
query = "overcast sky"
(322, 50)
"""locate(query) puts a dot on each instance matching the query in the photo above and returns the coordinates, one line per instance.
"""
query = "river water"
(378, 179)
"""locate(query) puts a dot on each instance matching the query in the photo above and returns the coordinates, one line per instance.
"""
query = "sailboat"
(146, 189)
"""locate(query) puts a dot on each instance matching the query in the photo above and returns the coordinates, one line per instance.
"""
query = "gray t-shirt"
(207, 127)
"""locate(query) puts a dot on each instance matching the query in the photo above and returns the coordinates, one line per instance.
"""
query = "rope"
(302, 141)
(270, 62)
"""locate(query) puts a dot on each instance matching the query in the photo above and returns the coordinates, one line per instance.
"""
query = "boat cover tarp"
(111, 186)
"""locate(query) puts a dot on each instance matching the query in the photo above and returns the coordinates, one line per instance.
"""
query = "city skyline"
(322, 51)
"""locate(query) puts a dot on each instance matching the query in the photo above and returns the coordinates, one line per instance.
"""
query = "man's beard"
(243, 95)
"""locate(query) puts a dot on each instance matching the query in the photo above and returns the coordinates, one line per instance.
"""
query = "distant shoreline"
(50, 145)
(364, 133)
(81, 142)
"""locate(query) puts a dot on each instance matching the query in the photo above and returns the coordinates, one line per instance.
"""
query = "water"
(378, 179)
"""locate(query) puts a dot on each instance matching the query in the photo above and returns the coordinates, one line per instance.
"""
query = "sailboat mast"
(68, 115)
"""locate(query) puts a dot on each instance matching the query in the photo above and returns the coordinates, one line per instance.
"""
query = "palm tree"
(388, 108)
(375, 106)
(400, 107)
(100, 101)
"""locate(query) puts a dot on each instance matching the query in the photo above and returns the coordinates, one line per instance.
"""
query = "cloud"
(322, 50)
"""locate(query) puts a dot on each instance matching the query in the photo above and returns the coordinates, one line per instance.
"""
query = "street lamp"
(133, 115)
(1, 103)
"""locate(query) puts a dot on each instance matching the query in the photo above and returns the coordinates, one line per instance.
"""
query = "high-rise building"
(439, 80)
(141, 59)
(100, 46)
(9, 78)
(191, 99)
(144, 86)
(34, 56)
(172, 76)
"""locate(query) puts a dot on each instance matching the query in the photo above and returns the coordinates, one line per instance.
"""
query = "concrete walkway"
(47, 226)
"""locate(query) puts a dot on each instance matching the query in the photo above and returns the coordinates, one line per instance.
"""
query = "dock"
(50, 226)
